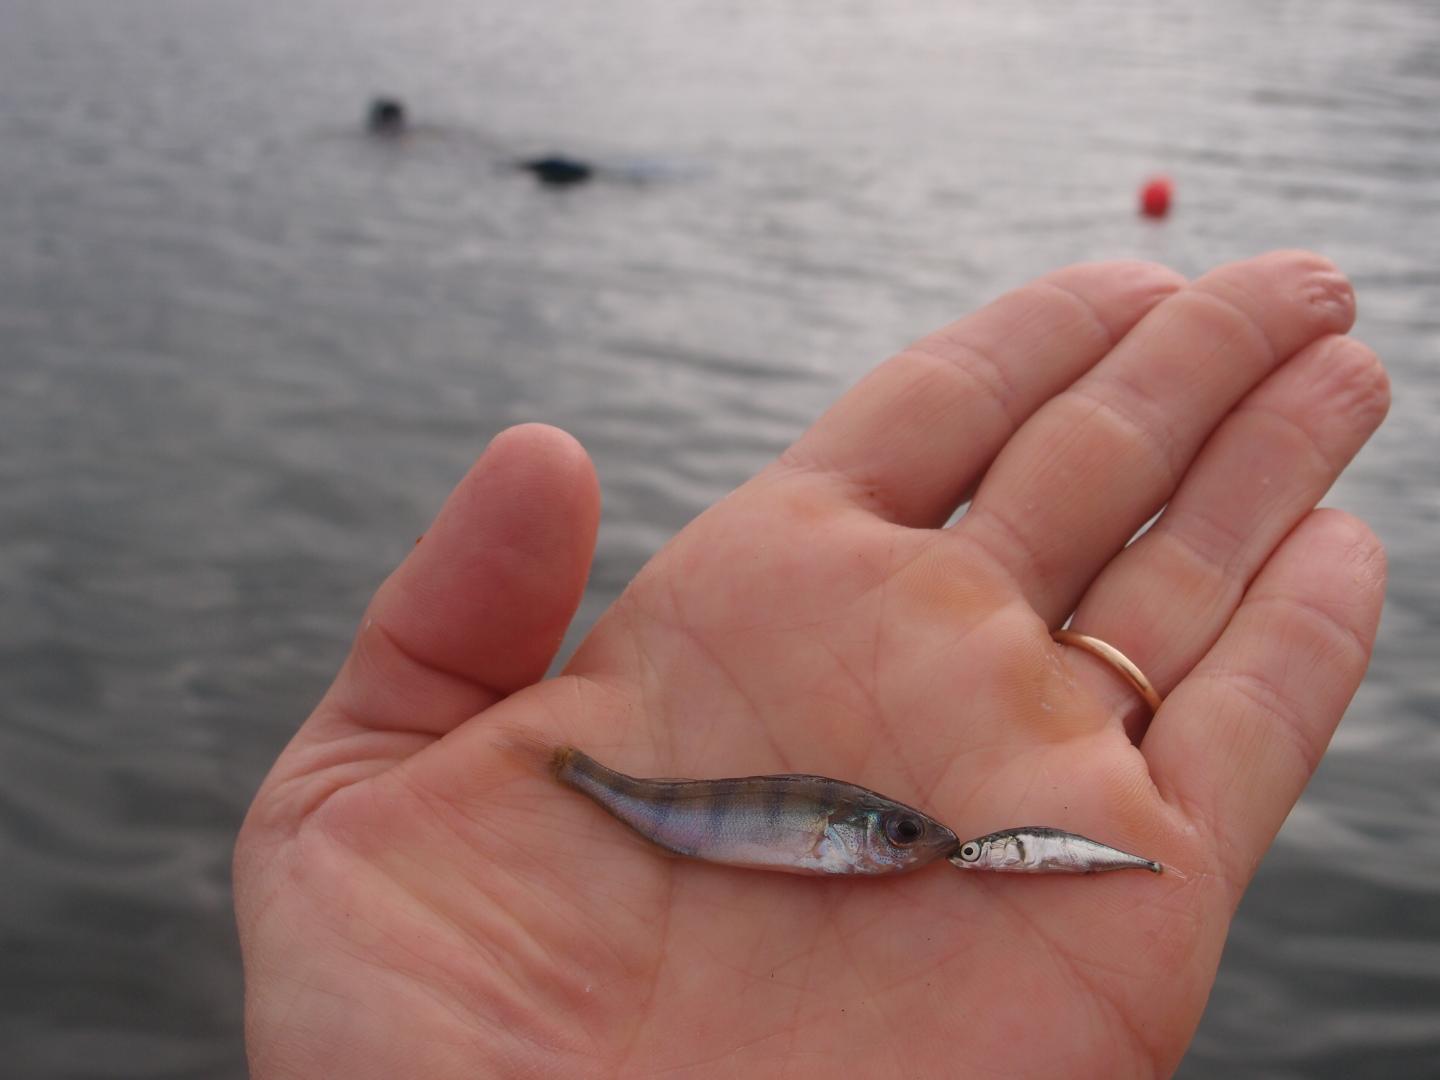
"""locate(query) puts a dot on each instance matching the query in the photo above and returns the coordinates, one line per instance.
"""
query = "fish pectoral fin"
(831, 854)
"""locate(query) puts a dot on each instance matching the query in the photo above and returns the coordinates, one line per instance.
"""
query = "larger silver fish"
(798, 824)
(1037, 849)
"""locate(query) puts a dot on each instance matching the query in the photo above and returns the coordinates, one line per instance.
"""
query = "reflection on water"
(246, 352)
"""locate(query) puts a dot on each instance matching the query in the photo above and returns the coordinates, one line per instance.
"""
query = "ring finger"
(1166, 598)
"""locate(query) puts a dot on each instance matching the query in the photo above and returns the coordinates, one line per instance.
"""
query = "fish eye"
(970, 851)
(903, 830)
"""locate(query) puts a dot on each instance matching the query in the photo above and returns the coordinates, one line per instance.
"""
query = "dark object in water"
(386, 116)
(558, 170)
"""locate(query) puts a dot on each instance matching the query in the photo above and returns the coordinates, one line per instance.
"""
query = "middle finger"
(1166, 598)
(1081, 476)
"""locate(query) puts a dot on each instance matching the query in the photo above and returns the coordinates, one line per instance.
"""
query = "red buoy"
(1155, 196)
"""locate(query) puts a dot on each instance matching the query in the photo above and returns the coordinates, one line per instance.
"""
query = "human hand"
(417, 899)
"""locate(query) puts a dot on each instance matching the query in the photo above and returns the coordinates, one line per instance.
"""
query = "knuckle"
(1112, 294)
(1224, 311)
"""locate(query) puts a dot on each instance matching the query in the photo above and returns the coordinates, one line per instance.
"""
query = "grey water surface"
(245, 352)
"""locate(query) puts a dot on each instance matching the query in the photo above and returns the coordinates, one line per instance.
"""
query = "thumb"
(479, 607)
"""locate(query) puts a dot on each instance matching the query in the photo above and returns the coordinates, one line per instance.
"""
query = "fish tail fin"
(560, 757)
(537, 751)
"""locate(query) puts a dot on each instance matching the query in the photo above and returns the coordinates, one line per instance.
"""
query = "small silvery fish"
(798, 824)
(1039, 850)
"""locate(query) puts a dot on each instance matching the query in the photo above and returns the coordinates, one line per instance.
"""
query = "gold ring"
(1116, 659)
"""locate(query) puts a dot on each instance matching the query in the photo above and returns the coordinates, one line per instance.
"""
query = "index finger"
(915, 435)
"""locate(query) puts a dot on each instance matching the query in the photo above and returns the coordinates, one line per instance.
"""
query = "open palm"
(417, 897)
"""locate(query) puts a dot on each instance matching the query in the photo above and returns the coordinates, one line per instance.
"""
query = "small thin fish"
(1036, 849)
(792, 823)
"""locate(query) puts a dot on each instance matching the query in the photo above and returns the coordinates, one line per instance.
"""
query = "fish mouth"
(940, 848)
